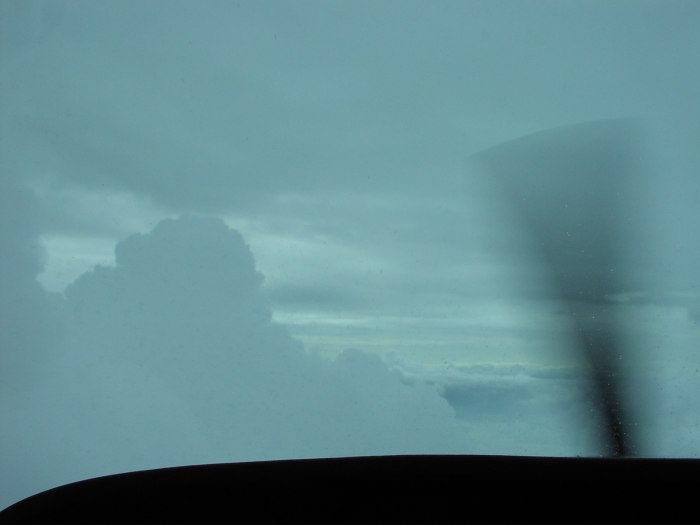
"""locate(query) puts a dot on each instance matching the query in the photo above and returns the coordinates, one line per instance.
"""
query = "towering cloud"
(184, 303)
(174, 359)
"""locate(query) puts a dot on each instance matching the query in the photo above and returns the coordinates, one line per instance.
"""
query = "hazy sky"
(335, 140)
(334, 135)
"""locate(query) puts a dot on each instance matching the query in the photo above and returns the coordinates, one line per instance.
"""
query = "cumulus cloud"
(173, 359)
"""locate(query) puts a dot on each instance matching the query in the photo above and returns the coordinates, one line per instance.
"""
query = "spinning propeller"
(573, 188)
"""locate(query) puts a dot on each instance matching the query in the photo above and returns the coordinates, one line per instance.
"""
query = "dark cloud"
(694, 311)
(20, 248)
(30, 332)
(311, 296)
(217, 108)
(483, 391)
(540, 405)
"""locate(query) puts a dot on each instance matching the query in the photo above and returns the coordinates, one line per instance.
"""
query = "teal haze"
(256, 230)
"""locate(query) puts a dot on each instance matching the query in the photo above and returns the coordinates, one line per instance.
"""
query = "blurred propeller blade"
(571, 186)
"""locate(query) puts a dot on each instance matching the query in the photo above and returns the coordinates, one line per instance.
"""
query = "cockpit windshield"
(236, 231)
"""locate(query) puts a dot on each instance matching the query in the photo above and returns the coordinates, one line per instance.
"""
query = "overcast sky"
(336, 142)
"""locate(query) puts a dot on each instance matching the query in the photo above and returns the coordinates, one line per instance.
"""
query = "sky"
(283, 207)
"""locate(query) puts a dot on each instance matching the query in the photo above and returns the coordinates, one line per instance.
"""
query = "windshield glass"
(236, 231)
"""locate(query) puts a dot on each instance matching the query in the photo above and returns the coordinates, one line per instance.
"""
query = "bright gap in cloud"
(68, 257)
